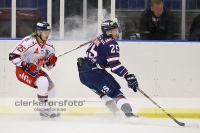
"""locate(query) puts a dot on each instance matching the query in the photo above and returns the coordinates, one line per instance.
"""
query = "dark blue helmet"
(108, 25)
(42, 26)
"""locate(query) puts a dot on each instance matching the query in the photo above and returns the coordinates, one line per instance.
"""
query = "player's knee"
(52, 92)
(42, 84)
(114, 93)
(109, 86)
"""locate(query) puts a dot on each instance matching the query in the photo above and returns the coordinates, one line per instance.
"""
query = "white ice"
(91, 124)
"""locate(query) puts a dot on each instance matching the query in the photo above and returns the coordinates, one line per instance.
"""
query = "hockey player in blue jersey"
(103, 53)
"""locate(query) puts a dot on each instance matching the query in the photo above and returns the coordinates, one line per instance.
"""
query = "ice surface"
(91, 124)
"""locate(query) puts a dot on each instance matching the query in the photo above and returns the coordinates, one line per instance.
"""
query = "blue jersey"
(104, 51)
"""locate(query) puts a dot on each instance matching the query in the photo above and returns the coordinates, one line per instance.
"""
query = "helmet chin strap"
(41, 36)
(109, 33)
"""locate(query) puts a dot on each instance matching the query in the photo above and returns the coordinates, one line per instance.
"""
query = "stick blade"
(191, 125)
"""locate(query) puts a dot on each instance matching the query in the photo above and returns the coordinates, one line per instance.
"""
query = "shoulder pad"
(13, 56)
(27, 41)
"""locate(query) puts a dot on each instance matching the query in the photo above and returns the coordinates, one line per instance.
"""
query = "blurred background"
(81, 16)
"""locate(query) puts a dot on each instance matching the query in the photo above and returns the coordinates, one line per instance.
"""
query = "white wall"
(163, 69)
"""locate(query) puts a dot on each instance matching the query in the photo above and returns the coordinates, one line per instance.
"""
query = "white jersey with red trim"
(29, 49)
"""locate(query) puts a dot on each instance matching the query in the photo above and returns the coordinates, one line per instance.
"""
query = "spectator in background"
(194, 34)
(157, 22)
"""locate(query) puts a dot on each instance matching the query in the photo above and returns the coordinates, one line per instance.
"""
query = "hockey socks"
(110, 103)
(124, 105)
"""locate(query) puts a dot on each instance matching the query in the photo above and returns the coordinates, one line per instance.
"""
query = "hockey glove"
(132, 81)
(51, 60)
(28, 66)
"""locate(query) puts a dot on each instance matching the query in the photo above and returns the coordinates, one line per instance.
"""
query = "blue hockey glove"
(132, 81)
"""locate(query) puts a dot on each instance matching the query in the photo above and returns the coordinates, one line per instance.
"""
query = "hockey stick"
(179, 123)
(44, 62)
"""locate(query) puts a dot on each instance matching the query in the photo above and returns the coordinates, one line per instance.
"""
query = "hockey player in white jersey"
(30, 51)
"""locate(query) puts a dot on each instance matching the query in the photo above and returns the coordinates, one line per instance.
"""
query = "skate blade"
(58, 115)
(48, 118)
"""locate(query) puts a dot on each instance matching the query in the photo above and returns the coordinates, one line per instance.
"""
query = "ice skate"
(133, 118)
(47, 114)
(57, 113)
(126, 108)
